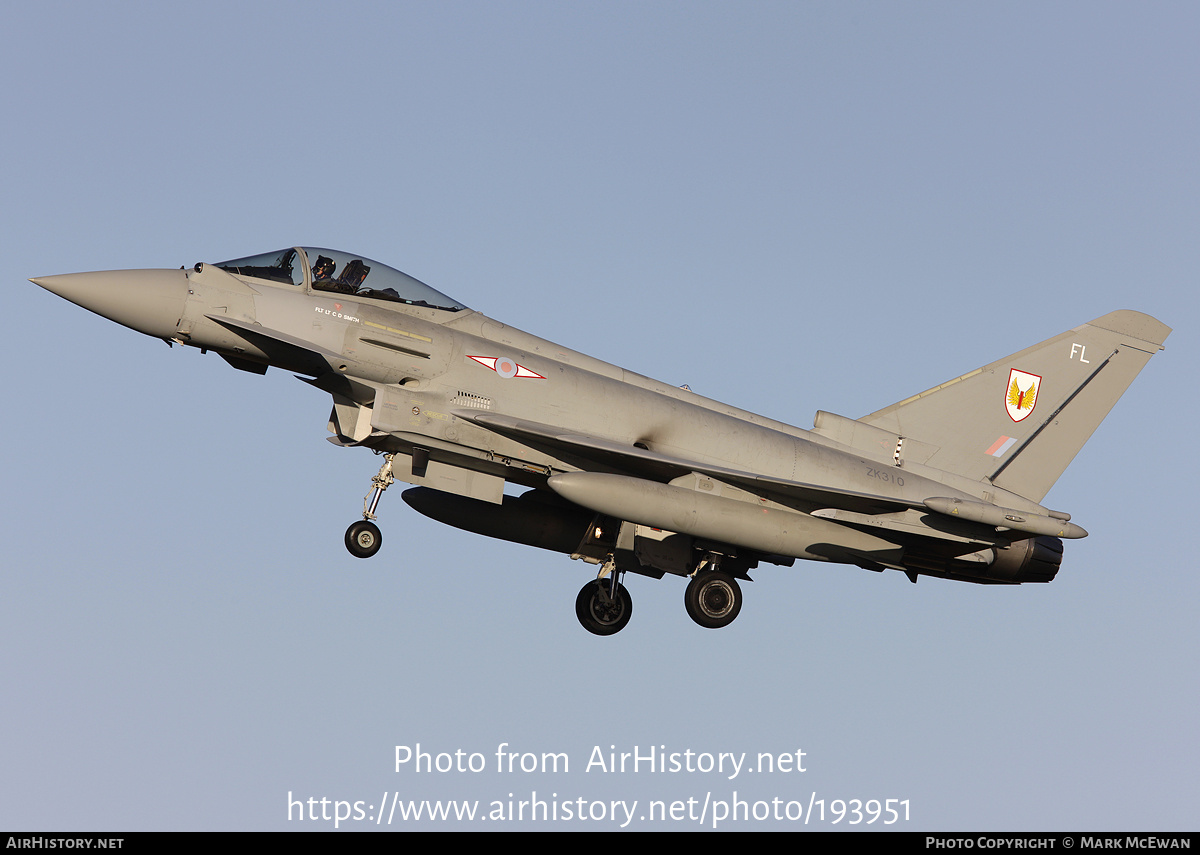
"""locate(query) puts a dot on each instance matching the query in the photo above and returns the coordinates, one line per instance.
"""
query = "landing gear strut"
(363, 538)
(604, 605)
(713, 597)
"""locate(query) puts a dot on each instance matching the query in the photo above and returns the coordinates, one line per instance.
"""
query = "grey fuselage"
(427, 389)
(466, 404)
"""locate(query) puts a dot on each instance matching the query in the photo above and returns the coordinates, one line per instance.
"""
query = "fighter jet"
(632, 475)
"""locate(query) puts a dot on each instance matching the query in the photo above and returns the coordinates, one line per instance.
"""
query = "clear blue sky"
(788, 206)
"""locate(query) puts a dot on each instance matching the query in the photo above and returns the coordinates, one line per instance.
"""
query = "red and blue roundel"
(506, 367)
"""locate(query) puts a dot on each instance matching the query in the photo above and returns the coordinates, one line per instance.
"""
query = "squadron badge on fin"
(1022, 394)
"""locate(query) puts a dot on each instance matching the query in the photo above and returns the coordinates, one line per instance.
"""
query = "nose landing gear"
(363, 538)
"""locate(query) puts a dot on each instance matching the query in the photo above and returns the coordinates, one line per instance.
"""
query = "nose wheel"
(363, 538)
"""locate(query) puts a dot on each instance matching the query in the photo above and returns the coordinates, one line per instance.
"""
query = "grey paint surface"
(944, 483)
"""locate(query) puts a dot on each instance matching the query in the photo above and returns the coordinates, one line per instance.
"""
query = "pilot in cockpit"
(323, 269)
(323, 280)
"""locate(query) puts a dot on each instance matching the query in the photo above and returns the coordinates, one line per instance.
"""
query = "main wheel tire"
(363, 539)
(713, 599)
(600, 616)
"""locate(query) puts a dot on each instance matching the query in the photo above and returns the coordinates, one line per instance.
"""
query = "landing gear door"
(663, 550)
(417, 468)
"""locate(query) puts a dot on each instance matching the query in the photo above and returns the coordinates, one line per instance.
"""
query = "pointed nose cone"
(149, 301)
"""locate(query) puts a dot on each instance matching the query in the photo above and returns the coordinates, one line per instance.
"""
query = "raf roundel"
(506, 368)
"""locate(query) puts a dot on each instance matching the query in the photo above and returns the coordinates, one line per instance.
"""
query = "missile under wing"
(635, 476)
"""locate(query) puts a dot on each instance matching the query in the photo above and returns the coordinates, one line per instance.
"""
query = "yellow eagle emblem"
(1022, 394)
(1021, 399)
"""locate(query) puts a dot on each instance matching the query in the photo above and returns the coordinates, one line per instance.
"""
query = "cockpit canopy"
(340, 272)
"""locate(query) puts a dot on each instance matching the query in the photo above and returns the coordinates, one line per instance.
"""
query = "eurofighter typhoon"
(636, 476)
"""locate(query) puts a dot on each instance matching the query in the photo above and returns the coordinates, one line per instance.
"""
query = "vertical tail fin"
(1020, 421)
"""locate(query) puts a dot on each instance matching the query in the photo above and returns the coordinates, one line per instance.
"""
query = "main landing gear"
(363, 538)
(600, 611)
(713, 598)
(604, 605)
